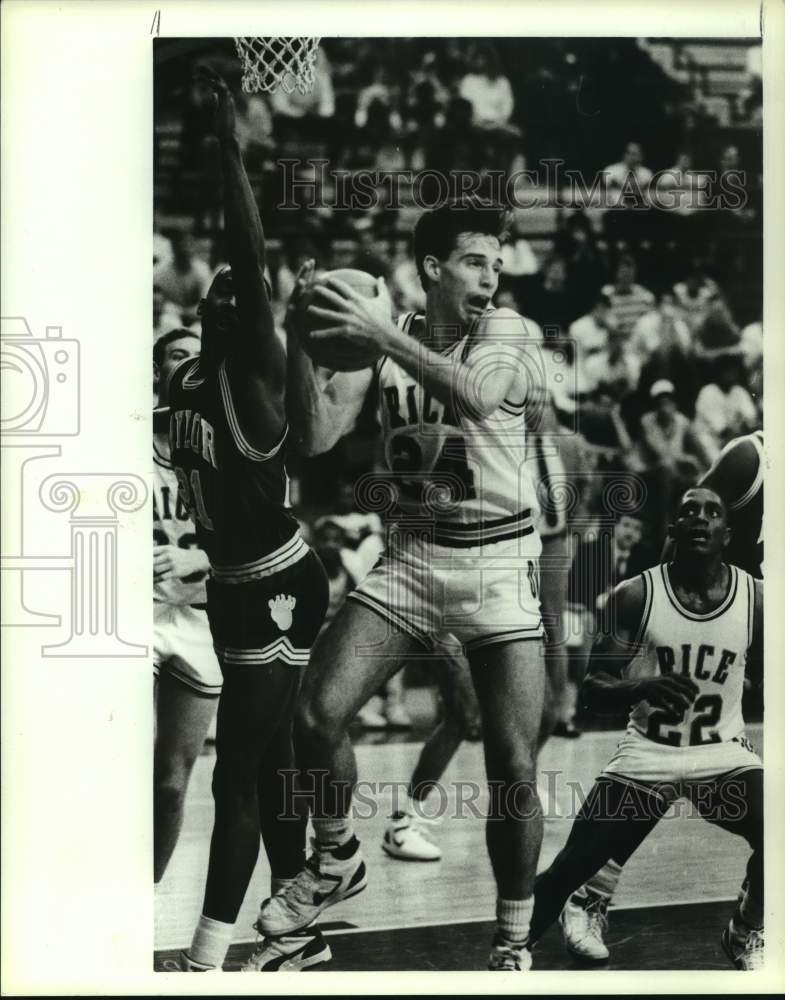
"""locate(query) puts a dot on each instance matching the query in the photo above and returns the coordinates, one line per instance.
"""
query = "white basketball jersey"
(171, 523)
(460, 472)
(709, 648)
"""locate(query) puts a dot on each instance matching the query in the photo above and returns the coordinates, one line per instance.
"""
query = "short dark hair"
(159, 347)
(437, 230)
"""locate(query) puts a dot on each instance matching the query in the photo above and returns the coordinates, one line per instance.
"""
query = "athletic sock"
(332, 832)
(605, 881)
(211, 942)
(513, 917)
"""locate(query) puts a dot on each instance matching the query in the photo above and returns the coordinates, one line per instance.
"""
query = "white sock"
(330, 832)
(513, 917)
(211, 942)
(605, 881)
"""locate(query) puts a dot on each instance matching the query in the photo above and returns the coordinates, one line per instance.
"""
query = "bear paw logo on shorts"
(281, 608)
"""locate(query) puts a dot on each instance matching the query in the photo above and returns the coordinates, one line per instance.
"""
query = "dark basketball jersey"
(237, 495)
(737, 477)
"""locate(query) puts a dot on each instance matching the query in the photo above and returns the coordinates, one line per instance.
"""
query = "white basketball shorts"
(183, 647)
(482, 596)
(644, 760)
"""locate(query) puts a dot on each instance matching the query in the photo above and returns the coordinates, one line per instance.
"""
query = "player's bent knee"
(313, 724)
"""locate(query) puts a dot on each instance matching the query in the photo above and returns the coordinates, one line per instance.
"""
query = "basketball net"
(269, 63)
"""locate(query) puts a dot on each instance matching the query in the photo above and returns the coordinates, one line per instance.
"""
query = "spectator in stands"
(694, 295)
(487, 89)
(660, 326)
(545, 298)
(490, 94)
(724, 409)
(368, 257)
(185, 280)
(577, 244)
(380, 92)
(671, 452)
(310, 109)
(628, 176)
(518, 260)
(717, 333)
(629, 301)
(590, 334)
(166, 315)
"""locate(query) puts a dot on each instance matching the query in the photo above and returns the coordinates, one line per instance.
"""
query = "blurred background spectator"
(651, 315)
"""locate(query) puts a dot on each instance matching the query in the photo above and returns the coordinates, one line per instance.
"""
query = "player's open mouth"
(698, 535)
(478, 303)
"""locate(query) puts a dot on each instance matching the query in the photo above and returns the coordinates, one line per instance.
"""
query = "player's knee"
(513, 763)
(313, 723)
(170, 782)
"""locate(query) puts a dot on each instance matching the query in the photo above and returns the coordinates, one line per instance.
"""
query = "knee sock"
(605, 881)
(333, 832)
(211, 942)
(513, 917)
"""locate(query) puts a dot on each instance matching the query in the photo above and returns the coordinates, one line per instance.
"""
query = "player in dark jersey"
(737, 477)
(267, 592)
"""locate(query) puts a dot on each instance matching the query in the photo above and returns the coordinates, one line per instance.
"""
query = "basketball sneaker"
(288, 953)
(506, 957)
(406, 839)
(331, 874)
(584, 923)
(187, 964)
(743, 948)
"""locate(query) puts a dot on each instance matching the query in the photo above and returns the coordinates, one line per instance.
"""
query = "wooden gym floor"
(675, 896)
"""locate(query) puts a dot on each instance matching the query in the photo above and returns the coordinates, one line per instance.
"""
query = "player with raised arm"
(461, 553)
(674, 649)
(267, 593)
(188, 678)
(737, 477)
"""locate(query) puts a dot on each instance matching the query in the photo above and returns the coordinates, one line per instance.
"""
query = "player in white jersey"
(188, 678)
(675, 648)
(737, 477)
(461, 554)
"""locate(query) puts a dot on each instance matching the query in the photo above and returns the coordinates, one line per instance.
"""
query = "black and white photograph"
(449, 649)
(459, 495)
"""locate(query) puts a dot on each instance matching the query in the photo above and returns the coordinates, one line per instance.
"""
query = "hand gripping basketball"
(344, 317)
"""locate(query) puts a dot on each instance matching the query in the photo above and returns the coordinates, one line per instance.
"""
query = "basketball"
(336, 353)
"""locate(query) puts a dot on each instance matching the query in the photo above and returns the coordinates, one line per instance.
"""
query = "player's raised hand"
(220, 99)
(302, 281)
(365, 321)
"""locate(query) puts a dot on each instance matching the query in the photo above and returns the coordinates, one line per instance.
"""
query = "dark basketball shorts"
(271, 620)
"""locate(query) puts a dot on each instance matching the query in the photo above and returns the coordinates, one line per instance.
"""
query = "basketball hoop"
(269, 63)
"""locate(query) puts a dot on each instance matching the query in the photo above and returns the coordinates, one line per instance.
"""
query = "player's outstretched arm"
(321, 406)
(256, 360)
(476, 386)
(605, 689)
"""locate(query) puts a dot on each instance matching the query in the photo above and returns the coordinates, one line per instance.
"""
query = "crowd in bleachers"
(660, 310)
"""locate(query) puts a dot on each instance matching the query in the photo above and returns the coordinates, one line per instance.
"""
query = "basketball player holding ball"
(267, 592)
(451, 386)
